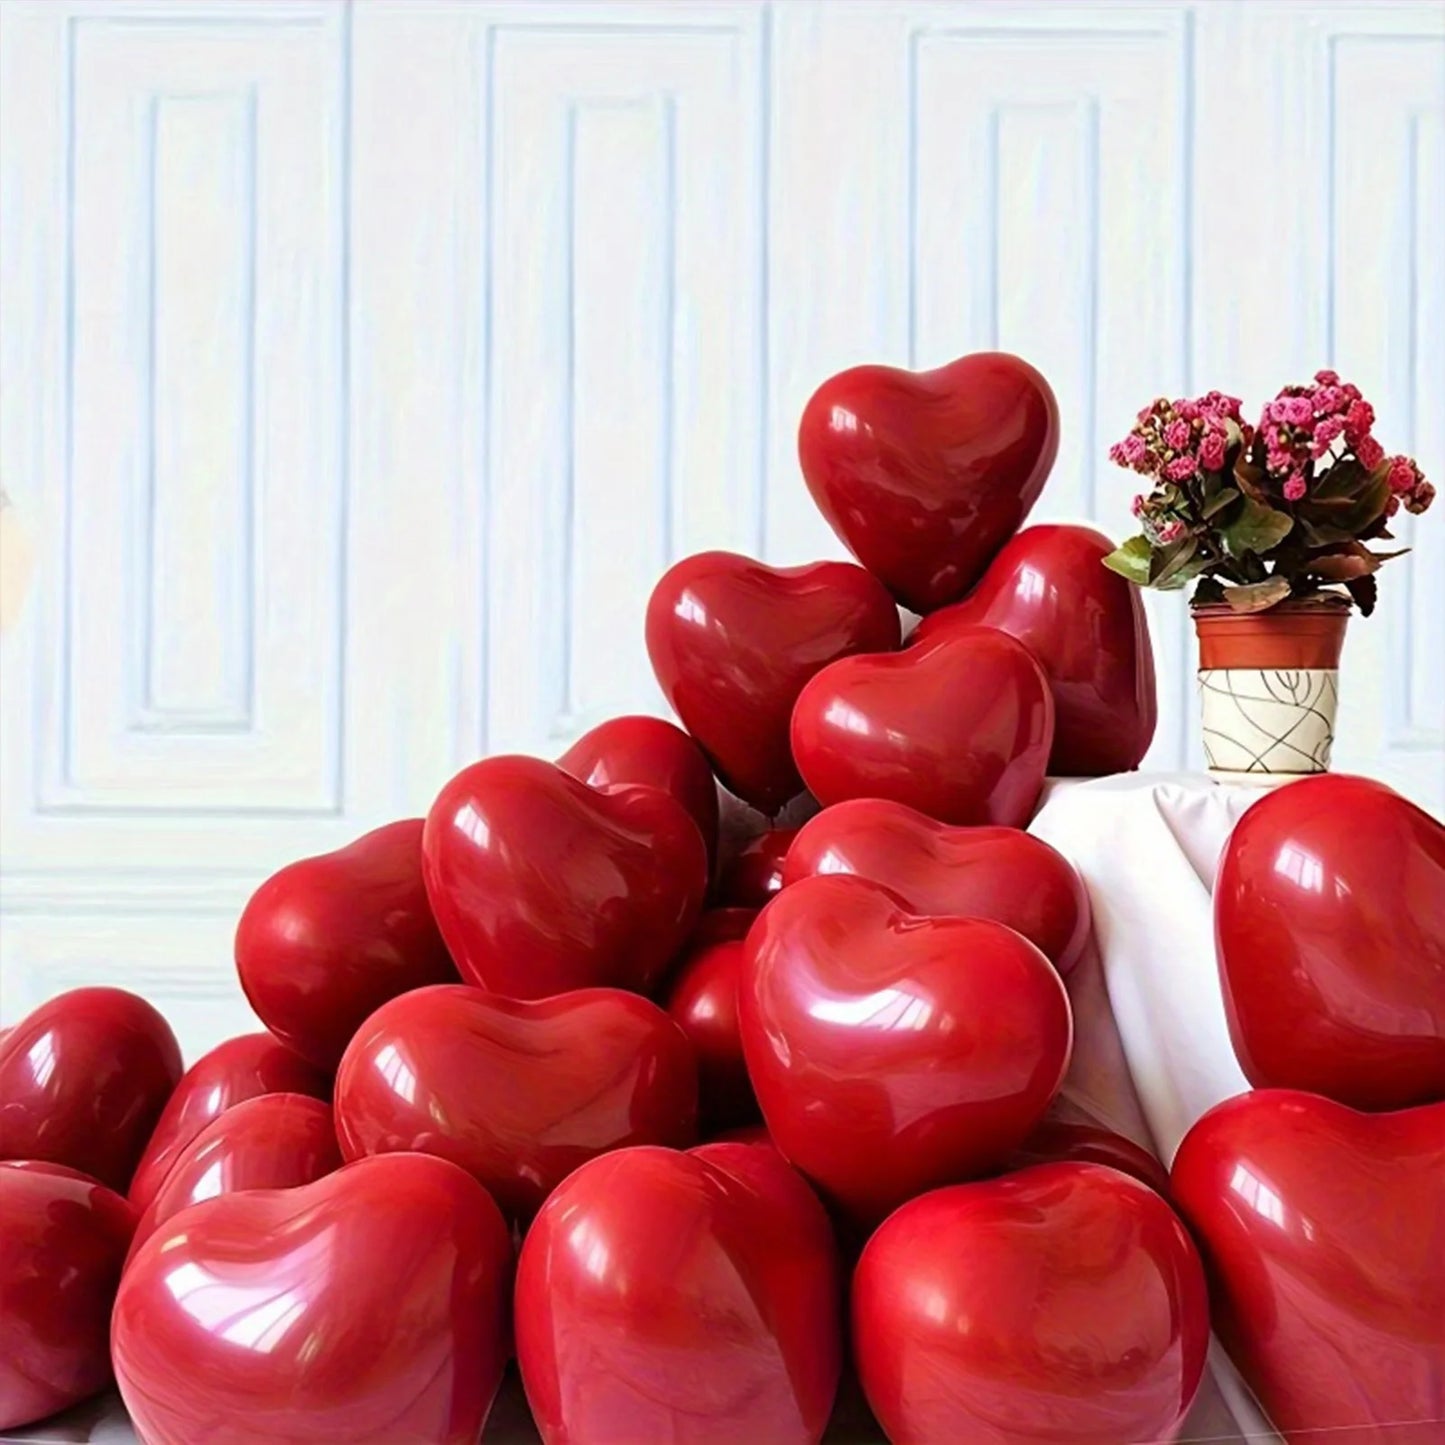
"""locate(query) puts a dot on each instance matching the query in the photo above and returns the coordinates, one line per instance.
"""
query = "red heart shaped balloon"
(273, 1141)
(959, 728)
(1329, 919)
(1086, 626)
(1323, 1231)
(704, 1001)
(239, 1069)
(1064, 1305)
(542, 884)
(892, 1053)
(720, 925)
(925, 475)
(1059, 1140)
(63, 1239)
(667, 1296)
(732, 643)
(83, 1080)
(368, 1308)
(650, 751)
(998, 873)
(327, 940)
(755, 872)
(518, 1094)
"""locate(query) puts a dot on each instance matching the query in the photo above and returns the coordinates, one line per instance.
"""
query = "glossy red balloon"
(892, 1053)
(925, 475)
(653, 752)
(999, 873)
(542, 884)
(368, 1308)
(1058, 1141)
(732, 643)
(1086, 626)
(239, 1069)
(704, 1001)
(327, 940)
(1064, 1305)
(1323, 1231)
(719, 925)
(518, 1094)
(63, 1239)
(958, 728)
(274, 1141)
(83, 1080)
(1329, 920)
(691, 1298)
(755, 872)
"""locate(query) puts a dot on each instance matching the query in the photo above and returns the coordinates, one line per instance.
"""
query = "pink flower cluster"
(1408, 487)
(1304, 423)
(1175, 440)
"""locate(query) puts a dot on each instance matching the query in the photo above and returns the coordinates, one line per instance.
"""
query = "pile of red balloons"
(566, 1071)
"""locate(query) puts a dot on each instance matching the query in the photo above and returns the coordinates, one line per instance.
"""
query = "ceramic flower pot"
(1268, 686)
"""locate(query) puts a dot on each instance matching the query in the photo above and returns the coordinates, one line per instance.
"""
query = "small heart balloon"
(653, 752)
(83, 1080)
(1086, 626)
(518, 1094)
(703, 999)
(1323, 1231)
(368, 1308)
(893, 1053)
(925, 475)
(958, 728)
(1060, 1140)
(329, 939)
(755, 872)
(63, 1239)
(1329, 920)
(274, 1141)
(542, 884)
(1063, 1305)
(239, 1069)
(667, 1296)
(999, 873)
(732, 643)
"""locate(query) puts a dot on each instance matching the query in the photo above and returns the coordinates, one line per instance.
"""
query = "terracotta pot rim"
(1325, 604)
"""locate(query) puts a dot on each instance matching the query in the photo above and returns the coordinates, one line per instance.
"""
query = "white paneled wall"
(363, 365)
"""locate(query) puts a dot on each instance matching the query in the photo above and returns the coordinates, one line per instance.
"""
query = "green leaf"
(1179, 564)
(1131, 559)
(1219, 501)
(1257, 528)
(1321, 534)
(1257, 596)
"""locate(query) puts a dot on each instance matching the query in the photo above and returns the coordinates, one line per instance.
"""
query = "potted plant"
(1278, 526)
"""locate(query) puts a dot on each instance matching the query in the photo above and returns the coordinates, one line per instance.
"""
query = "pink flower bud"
(1369, 452)
(1176, 434)
(1327, 378)
(1181, 468)
(1294, 488)
(1211, 451)
(1420, 498)
(1402, 475)
(1171, 531)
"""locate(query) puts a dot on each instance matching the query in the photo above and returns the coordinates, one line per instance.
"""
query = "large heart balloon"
(329, 939)
(703, 998)
(1063, 1305)
(274, 1141)
(83, 1080)
(732, 643)
(681, 1297)
(650, 751)
(999, 873)
(368, 1308)
(63, 1239)
(518, 1094)
(542, 884)
(1323, 1231)
(1329, 919)
(959, 728)
(1086, 626)
(892, 1053)
(925, 475)
(239, 1069)
(755, 871)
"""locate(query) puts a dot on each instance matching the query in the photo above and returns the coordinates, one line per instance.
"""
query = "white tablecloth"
(1152, 1049)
